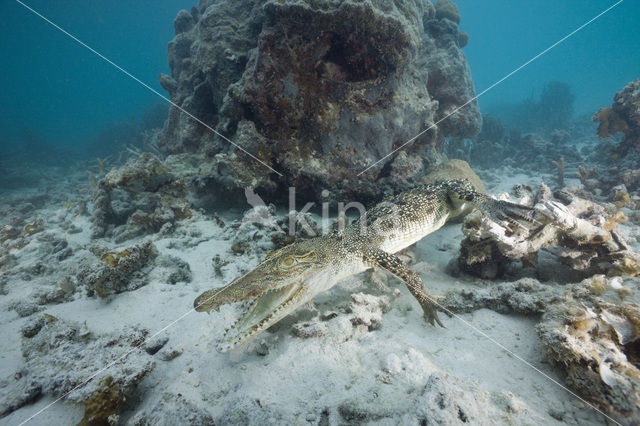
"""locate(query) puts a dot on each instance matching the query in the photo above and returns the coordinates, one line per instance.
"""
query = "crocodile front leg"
(460, 191)
(501, 211)
(390, 262)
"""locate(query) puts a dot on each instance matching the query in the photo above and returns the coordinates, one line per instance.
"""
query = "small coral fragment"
(559, 165)
(119, 272)
(584, 173)
(35, 227)
(112, 258)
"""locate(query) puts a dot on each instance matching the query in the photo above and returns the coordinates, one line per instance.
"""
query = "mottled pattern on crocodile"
(293, 275)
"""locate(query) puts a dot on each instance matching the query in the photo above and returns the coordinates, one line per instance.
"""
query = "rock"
(183, 22)
(155, 344)
(262, 348)
(167, 83)
(367, 310)
(442, 403)
(24, 308)
(446, 9)
(103, 406)
(61, 292)
(524, 296)
(169, 354)
(306, 330)
(463, 39)
(145, 173)
(138, 198)
(13, 397)
(33, 327)
(171, 270)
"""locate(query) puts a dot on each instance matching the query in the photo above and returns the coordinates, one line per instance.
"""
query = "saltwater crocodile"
(293, 275)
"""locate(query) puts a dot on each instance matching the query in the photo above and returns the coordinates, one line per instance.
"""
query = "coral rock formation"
(623, 117)
(318, 90)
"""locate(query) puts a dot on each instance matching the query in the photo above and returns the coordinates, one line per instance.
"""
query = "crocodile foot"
(431, 307)
(515, 216)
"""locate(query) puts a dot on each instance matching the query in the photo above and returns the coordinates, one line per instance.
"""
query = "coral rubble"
(579, 234)
(61, 358)
(589, 329)
(592, 332)
(524, 296)
(317, 90)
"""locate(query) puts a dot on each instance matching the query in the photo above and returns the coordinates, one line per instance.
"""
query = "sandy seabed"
(362, 354)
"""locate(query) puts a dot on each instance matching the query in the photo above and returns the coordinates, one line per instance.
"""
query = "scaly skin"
(293, 275)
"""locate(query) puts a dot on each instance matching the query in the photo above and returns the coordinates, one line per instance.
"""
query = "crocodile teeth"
(261, 314)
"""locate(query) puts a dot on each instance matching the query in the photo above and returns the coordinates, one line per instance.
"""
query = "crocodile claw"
(514, 215)
(513, 212)
(431, 308)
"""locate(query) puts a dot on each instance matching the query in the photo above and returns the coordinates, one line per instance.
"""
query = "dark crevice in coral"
(386, 170)
(204, 104)
(632, 351)
(352, 59)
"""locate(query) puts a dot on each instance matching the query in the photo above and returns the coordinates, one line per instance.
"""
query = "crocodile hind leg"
(392, 263)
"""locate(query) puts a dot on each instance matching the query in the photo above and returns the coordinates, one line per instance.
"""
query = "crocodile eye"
(287, 262)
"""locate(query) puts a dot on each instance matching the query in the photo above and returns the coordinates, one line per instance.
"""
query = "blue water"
(57, 87)
(596, 62)
(65, 93)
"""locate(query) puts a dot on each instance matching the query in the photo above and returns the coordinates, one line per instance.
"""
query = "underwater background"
(120, 213)
(61, 92)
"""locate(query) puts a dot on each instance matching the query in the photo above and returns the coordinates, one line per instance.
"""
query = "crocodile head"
(285, 280)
